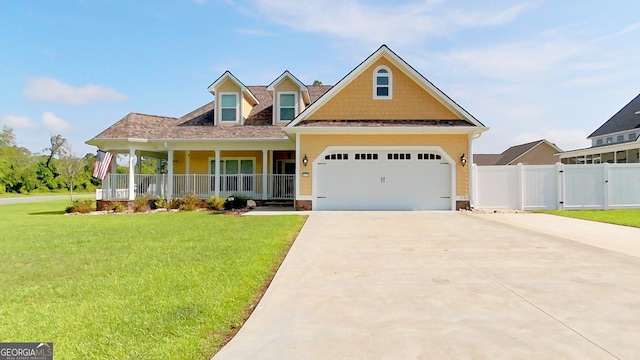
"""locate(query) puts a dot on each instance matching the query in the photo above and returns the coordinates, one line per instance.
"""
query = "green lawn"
(48, 193)
(628, 217)
(135, 286)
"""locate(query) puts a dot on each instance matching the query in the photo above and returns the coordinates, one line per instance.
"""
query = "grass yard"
(138, 286)
(628, 217)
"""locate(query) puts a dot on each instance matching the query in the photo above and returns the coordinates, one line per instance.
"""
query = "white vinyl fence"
(559, 186)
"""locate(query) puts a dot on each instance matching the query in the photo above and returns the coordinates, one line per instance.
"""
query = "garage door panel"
(386, 183)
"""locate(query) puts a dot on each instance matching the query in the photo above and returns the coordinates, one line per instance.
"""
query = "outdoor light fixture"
(463, 160)
(305, 160)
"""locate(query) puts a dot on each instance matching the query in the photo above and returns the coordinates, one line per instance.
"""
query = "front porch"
(203, 186)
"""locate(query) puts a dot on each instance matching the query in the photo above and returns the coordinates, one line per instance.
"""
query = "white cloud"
(390, 23)
(18, 122)
(54, 124)
(53, 90)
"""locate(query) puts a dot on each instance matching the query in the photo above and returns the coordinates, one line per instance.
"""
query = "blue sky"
(527, 69)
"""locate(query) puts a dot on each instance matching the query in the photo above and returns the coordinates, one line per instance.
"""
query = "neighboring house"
(541, 152)
(615, 141)
(382, 138)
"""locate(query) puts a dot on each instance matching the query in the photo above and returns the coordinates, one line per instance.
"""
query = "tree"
(7, 137)
(58, 148)
(317, 83)
(70, 167)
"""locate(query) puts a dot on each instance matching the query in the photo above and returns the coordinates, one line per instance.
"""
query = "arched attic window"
(382, 83)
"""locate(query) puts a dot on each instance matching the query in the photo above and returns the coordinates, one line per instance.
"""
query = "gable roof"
(512, 154)
(286, 74)
(228, 75)
(384, 51)
(627, 118)
(198, 124)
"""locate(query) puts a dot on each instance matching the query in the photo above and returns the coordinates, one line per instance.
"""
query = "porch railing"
(116, 186)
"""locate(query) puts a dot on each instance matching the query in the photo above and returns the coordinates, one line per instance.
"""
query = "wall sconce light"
(305, 160)
(463, 160)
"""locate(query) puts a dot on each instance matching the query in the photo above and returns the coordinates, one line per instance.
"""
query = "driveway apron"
(442, 285)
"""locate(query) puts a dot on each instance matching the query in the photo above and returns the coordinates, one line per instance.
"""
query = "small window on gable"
(620, 138)
(382, 83)
(287, 106)
(632, 136)
(599, 142)
(229, 107)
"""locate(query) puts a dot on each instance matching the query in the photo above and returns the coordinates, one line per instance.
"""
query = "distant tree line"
(55, 169)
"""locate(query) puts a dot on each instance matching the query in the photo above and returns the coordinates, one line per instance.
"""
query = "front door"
(284, 181)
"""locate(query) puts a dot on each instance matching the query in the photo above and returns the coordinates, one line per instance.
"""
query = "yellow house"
(382, 138)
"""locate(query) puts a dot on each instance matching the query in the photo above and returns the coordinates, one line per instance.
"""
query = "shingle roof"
(516, 151)
(507, 156)
(625, 119)
(486, 159)
(198, 124)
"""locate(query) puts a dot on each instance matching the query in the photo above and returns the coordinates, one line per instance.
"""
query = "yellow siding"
(199, 160)
(287, 85)
(409, 100)
(228, 86)
(454, 145)
(246, 108)
(179, 163)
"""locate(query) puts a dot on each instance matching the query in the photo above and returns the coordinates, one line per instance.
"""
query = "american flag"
(102, 165)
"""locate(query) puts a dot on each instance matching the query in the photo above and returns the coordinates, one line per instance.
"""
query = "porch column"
(265, 161)
(187, 168)
(112, 180)
(216, 190)
(169, 194)
(132, 182)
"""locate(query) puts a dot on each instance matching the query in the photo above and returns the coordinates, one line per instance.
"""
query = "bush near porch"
(152, 286)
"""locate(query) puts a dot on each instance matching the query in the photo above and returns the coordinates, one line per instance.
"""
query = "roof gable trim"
(228, 75)
(384, 51)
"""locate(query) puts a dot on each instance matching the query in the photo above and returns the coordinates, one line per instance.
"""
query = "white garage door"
(394, 179)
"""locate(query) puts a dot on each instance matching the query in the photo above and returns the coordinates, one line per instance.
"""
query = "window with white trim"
(229, 107)
(382, 83)
(286, 106)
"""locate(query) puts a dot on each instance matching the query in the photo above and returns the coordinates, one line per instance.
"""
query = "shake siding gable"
(410, 101)
(287, 85)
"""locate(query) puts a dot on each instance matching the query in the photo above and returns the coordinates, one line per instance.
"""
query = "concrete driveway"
(449, 285)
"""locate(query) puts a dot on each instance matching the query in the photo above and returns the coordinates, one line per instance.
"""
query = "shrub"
(216, 203)
(174, 203)
(189, 202)
(141, 204)
(240, 201)
(118, 207)
(81, 206)
(161, 203)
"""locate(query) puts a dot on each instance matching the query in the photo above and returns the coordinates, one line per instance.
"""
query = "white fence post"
(520, 186)
(560, 185)
(605, 186)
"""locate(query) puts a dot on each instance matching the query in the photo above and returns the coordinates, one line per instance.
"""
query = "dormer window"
(382, 83)
(286, 106)
(229, 107)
